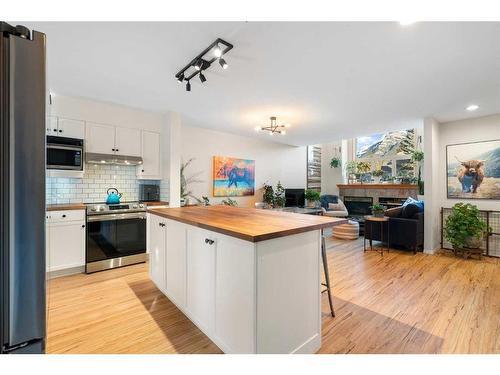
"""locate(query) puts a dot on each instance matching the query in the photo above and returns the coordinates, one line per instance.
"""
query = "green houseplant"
(279, 195)
(464, 228)
(229, 202)
(268, 195)
(335, 162)
(312, 197)
(377, 175)
(378, 210)
(417, 157)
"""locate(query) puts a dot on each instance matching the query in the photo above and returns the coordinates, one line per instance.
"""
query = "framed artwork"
(233, 177)
(473, 170)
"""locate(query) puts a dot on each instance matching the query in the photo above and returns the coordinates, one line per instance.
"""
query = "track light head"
(188, 86)
(217, 51)
(180, 78)
(202, 77)
(198, 65)
(223, 63)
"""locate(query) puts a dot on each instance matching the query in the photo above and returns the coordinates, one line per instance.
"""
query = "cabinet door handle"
(63, 215)
(143, 171)
(162, 224)
(60, 130)
(83, 225)
(117, 150)
(209, 241)
(55, 130)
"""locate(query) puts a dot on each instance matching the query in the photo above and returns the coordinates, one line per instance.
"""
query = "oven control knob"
(101, 208)
(93, 209)
(134, 206)
(141, 205)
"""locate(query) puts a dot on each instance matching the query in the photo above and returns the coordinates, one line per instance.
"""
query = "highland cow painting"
(473, 170)
(233, 177)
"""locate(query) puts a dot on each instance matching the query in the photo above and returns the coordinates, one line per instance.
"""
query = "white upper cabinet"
(150, 169)
(100, 138)
(109, 139)
(71, 128)
(64, 127)
(127, 142)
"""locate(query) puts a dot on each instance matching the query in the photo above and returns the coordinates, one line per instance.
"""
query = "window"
(390, 152)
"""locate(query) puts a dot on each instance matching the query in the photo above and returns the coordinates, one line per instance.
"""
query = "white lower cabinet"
(201, 247)
(65, 242)
(210, 277)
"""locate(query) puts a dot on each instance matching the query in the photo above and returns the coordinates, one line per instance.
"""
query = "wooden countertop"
(158, 203)
(66, 207)
(248, 224)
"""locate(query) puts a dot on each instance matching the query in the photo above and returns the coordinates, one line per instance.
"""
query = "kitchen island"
(249, 279)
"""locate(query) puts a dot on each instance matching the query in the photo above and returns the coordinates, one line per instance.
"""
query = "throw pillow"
(335, 207)
(410, 210)
(393, 212)
(410, 200)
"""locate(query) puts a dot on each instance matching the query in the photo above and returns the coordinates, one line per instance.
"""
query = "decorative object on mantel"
(377, 175)
(378, 210)
(185, 193)
(274, 127)
(465, 229)
(359, 169)
(313, 198)
(473, 170)
(203, 61)
(233, 177)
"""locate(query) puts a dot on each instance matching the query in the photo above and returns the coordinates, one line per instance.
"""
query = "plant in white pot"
(377, 175)
(465, 229)
(312, 197)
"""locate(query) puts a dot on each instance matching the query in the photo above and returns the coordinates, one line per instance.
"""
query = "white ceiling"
(329, 80)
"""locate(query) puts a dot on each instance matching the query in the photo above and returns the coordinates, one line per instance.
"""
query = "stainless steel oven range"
(116, 235)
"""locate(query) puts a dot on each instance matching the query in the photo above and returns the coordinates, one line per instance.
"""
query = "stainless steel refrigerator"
(22, 190)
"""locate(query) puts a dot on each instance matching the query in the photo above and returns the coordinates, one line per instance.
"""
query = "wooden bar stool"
(326, 284)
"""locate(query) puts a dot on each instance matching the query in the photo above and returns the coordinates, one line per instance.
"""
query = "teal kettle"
(113, 196)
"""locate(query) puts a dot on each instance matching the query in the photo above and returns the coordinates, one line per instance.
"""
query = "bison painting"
(473, 170)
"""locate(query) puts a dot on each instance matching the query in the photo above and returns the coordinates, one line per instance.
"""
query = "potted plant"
(335, 162)
(417, 157)
(378, 210)
(465, 229)
(377, 175)
(268, 195)
(351, 169)
(229, 202)
(312, 197)
(362, 169)
(279, 195)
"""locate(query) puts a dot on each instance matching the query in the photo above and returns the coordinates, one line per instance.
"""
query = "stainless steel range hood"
(94, 158)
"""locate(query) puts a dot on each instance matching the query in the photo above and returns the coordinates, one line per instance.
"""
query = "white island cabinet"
(248, 294)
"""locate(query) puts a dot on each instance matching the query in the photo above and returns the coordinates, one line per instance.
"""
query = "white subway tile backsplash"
(94, 184)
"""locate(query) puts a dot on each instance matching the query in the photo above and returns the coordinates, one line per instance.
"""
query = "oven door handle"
(110, 217)
(69, 148)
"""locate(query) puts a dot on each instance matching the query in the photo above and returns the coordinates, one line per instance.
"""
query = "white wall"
(330, 177)
(273, 161)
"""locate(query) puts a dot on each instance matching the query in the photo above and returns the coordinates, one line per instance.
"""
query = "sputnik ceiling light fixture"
(203, 61)
(273, 127)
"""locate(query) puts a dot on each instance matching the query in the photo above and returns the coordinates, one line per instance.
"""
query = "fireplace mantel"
(378, 186)
(376, 191)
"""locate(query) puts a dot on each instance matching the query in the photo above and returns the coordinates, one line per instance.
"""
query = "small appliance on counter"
(64, 153)
(149, 193)
(113, 197)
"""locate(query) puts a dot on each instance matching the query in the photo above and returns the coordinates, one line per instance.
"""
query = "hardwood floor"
(398, 303)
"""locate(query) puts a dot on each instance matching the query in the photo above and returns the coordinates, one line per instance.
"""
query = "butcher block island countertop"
(248, 224)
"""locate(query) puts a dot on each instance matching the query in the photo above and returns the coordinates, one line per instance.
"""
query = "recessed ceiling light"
(472, 107)
(406, 23)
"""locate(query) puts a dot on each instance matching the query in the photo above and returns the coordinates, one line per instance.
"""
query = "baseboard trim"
(311, 346)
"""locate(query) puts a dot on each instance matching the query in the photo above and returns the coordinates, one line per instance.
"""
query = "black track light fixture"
(203, 62)
(223, 63)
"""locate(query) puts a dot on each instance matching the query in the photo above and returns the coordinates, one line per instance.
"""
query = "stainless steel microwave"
(64, 153)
